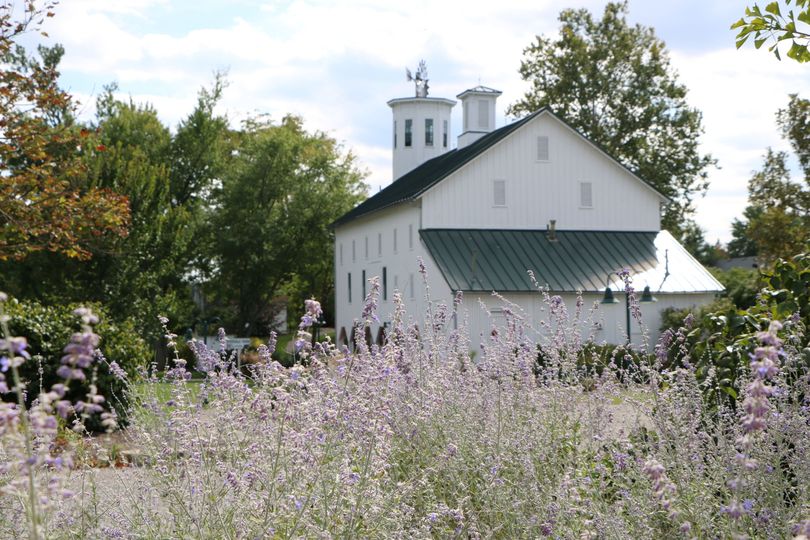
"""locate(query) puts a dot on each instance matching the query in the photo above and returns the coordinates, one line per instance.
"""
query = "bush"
(720, 338)
(742, 285)
(48, 330)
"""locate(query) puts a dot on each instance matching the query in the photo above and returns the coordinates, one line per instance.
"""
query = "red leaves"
(46, 201)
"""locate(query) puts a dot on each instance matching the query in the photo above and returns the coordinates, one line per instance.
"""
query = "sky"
(337, 63)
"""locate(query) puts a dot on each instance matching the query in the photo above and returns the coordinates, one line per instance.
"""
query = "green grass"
(162, 391)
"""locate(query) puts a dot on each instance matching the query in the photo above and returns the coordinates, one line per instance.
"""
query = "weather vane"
(420, 80)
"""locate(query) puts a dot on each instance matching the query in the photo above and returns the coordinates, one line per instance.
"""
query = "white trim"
(548, 113)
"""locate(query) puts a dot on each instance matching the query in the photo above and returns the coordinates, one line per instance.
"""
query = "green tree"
(168, 178)
(775, 24)
(614, 83)
(45, 202)
(777, 219)
(282, 189)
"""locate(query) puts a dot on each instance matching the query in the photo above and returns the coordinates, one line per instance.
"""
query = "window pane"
(499, 198)
(428, 131)
(586, 194)
(408, 132)
(350, 287)
(483, 114)
(444, 133)
(542, 148)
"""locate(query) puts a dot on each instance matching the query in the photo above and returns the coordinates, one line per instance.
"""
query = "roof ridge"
(415, 182)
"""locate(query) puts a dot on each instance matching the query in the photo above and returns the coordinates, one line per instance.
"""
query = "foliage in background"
(742, 285)
(281, 191)
(204, 201)
(777, 219)
(718, 342)
(148, 272)
(614, 83)
(46, 203)
(49, 328)
(777, 23)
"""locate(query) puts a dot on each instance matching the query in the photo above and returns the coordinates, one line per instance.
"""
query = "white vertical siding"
(602, 323)
(401, 266)
(543, 190)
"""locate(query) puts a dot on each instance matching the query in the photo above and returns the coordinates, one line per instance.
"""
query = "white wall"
(537, 191)
(407, 158)
(401, 264)
(605, 323)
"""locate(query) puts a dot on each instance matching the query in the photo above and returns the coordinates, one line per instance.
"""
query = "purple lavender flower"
(118, 371)
(764, 366)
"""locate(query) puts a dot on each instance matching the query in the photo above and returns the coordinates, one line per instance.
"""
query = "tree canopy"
(777, 219)
(45, 200)
(282, 188)
(614, 83)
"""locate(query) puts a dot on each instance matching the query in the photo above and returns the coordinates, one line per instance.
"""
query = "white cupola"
(478, 108)
(422, 128)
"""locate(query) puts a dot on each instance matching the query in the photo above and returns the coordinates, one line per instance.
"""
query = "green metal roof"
(412, 184)
(498, 260)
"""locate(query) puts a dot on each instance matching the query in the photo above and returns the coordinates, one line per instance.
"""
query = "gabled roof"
(414, 183)
(498, 260)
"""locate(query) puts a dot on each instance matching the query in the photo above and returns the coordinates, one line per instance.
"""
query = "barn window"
(408, 132)
(350, 287)
(385, 283)
(444, 133)
(499, 193)
(363, 285)
(428, 131)
(586, 195)
(483, 114)
(542, 148)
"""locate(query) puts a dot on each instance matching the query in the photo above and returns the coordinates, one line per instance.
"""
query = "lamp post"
(205, 323)
(646, 297)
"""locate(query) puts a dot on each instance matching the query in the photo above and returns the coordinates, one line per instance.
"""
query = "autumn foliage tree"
(46, 202)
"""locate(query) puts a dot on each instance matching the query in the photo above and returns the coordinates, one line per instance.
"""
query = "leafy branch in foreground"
(771, 25)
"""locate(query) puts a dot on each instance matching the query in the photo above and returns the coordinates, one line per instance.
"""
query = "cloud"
(337, 63)
(738, 92)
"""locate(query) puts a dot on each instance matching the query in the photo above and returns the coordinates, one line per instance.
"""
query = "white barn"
(532, 195)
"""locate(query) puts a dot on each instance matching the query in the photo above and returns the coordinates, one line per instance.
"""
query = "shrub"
(48, 330)
(413, 439)
(742, 285)
(719, 339)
